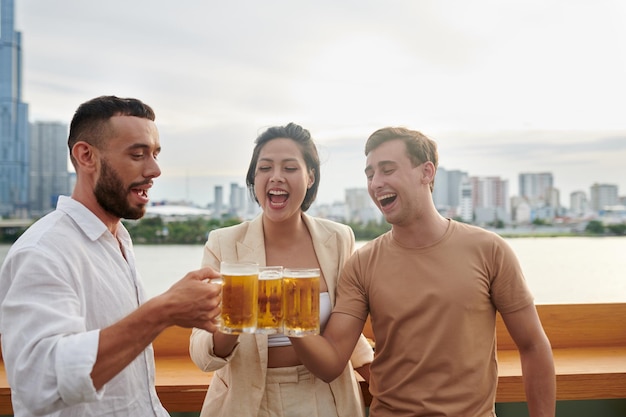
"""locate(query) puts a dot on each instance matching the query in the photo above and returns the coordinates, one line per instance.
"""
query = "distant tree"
(595, 227)
(498, 224)
(154, 230)
(370, 230)
(231, 221)
(187, 232)
(617, 229)
(10, 235)
(145, 230)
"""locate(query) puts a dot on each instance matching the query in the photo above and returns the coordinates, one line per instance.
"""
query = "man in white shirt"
(76, 327)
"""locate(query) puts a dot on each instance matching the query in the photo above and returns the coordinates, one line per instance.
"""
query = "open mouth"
(387, 199)
(141, 193)
(277, 197)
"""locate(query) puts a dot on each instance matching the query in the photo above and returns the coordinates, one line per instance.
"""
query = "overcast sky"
(503, 87)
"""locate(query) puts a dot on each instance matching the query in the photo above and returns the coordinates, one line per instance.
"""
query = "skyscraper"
(49, 177)
(13, 119)
(448, 191)
(536, 186)
(237, 200)
(218, 205)
(361, 208)
(603, 196)
(578, 203)
(490, 197)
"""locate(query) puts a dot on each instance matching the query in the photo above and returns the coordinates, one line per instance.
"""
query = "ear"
(311, 178)
(428, 172)
(86, 156)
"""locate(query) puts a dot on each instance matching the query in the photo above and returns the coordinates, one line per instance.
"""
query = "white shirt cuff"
(75, 357)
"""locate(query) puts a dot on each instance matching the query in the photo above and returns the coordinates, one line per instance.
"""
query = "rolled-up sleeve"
(48, 353)
(75, 358)
(65, 279)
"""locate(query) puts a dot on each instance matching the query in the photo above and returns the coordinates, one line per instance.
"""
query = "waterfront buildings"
(359, 207)
(536, 186)
(14, 152)
(490, 200)
(33, 171)
(578, 203)
(448, 194)
(241, 204)
(33, 157)
(537, 191)
(602, 196)
(48, 174)
(473, 199)
(218, 204)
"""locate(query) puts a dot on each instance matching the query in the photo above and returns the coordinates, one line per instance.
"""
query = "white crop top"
(279, 339)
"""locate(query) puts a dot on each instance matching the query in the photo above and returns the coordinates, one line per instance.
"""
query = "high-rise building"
(466, 203)
(448, 192)
(536, 186)
(521, 212)
(602, 196)
(13, 119)
(578, 203)
(440, 191)
(490, 200)
(237, 200)
(218, 204)
(361, 208)
(537, 189)
(49, 176)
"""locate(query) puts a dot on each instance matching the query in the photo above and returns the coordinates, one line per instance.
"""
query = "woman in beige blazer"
(253, 377)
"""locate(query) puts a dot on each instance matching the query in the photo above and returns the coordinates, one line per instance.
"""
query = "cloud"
(504, 87)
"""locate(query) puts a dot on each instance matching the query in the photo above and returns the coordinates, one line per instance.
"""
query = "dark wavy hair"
(303, 139)
(91, 120)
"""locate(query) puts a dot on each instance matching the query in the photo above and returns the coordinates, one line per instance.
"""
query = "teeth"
(277, 192)
(382, 197)
(141, 192)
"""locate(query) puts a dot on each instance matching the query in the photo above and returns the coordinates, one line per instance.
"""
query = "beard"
(113, 196)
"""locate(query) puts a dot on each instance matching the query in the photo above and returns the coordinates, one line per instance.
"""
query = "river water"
(558, 270)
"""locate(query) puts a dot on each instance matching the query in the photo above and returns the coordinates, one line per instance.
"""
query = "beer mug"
(270, 317)
(301, 288)
(239, 297)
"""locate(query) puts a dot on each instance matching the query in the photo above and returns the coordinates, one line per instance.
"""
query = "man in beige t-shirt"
(432, 287)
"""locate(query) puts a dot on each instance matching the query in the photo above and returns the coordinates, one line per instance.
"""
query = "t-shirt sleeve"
(509, 290)
(351, 294)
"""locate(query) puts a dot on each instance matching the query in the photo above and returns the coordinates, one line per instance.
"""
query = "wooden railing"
(588, 343)
(589, 348)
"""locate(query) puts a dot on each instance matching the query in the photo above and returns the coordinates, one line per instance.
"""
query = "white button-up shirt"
(61, 282)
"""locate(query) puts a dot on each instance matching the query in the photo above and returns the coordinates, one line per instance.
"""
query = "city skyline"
(183, 194)
(200, 190)
(504, 88)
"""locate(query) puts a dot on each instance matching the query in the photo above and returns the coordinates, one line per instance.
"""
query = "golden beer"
(270, 318)
(301, 301)
(239, 297)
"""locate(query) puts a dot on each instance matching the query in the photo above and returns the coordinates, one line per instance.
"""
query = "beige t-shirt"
(433, 317)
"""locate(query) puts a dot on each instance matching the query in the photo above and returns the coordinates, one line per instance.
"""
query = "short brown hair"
(420, 148)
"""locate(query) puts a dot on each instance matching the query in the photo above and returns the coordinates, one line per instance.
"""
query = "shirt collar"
(88, 222)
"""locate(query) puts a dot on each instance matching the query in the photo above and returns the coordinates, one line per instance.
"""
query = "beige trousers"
(295, 392)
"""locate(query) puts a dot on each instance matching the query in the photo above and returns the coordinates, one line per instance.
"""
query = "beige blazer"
(238, 383)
